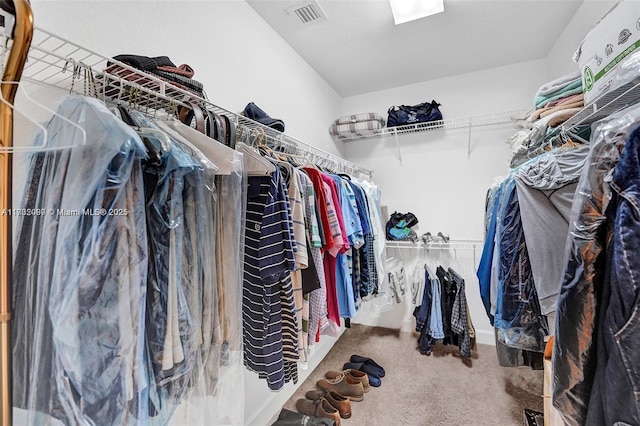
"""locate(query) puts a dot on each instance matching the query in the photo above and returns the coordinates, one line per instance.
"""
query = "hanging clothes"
(575, 352)
(614, 393)
(443, 315)
(317, 297)
(517, 314)
(80, 280)
(546, 189)
(423, 316)
(127, 252)
(269, 259)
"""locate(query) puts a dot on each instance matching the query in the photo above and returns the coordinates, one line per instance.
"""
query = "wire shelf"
(457, 244)
(607, 104)
(57, 62)
(448, 124)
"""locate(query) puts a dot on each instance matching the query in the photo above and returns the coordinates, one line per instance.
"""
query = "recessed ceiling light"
(410, 10)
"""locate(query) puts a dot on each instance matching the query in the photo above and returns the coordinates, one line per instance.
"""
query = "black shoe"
(374, 366)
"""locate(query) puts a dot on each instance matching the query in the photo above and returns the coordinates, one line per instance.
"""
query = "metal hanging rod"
(57, 62)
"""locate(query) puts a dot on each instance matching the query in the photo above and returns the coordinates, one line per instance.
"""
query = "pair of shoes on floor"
(372, 369)
(334, 400)
(440, 238)
(337, 401)
(345, 384)
(360, 376)
(320, 408)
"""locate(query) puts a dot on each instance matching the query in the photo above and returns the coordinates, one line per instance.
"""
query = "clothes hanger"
(256, 165)
(219, 155)
(146, 135)
(45, 134)
(453, 259)
(575, 136)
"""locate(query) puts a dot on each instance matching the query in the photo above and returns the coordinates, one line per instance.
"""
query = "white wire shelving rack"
(475, 246)
(60, 63)
(458, 244)
(607, 104)
(470, 122)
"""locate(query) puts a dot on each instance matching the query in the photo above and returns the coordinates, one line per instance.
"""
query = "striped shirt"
(267, 299)
(301, 260)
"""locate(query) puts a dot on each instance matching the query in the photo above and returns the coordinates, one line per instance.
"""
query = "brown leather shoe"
(318, 408)
(344, 385)
(355, 374)
(339, 402)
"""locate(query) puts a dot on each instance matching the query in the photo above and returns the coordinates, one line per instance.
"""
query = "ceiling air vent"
(308, 12)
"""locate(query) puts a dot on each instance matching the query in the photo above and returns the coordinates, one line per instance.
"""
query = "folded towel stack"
(562, 93)
(554, 103)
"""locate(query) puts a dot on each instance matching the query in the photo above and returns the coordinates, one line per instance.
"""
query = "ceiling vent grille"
(307, 13)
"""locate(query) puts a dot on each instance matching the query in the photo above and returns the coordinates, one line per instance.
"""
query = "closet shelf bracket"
(469, 141)
(398, 147)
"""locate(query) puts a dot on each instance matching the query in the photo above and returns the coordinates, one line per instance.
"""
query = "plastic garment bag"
(175, 199)
(214, 396)
(80, 276)
(574, 352)
(517, 315)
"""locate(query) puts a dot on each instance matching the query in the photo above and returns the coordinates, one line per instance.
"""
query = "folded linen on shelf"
(557, 84)
(573, 88)
(355, 123)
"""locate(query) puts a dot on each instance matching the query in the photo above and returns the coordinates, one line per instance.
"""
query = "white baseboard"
(264, 407)
(485, 337)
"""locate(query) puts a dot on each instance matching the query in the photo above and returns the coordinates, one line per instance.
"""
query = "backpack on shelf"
(399, 226)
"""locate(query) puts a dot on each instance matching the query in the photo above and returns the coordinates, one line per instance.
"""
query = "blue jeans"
(484, 268)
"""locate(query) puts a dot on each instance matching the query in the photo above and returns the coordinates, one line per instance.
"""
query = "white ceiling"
(358, 49)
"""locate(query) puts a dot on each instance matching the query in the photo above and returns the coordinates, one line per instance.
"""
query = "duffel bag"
(399, 115)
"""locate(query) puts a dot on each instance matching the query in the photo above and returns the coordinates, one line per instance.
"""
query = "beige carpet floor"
(440, 389)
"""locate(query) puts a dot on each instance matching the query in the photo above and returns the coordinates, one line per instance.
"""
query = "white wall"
(436, 180)
(235, 53)
(559, 59)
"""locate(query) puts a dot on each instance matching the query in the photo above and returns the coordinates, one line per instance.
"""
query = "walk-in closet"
(319, 212)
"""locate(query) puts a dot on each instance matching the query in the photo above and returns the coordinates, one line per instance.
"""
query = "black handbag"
(421, 113)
